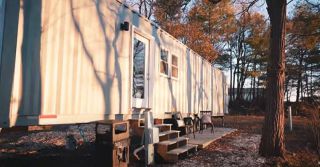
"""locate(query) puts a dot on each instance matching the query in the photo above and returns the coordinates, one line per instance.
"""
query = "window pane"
(138, 69)
(164, 55)
(164, 67)
(164, 62)
(175, 72)
(174, 60)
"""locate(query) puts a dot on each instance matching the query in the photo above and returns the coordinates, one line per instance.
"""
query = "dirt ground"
(47, 148)
(299, 142)
(238, 149)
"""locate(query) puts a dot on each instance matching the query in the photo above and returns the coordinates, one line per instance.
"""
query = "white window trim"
(142, 33)
(168, 62)
(170, 69)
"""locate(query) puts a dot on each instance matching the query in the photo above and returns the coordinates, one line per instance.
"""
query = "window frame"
(144, 65)
(176, 66)
(168, 62)
(146, 102)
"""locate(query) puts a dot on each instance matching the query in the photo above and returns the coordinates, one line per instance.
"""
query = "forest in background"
(235, 38)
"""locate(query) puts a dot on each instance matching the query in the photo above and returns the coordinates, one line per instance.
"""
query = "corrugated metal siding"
(197, 88)
(80, 70)
(78, 73)
(2, 22)
(2, 12)
(27, 69)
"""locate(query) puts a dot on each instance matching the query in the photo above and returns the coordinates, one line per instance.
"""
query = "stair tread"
(172, 141)
(159, 125)
(182, 149)
(168, 132)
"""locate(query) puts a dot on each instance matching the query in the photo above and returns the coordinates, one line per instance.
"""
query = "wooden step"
(166, 135)
(173, 141)
(168, 132)
(168, 145)
(162, 127)
(176, 154)
(182, 149)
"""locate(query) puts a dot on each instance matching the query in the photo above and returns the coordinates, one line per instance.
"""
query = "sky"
(261, 7)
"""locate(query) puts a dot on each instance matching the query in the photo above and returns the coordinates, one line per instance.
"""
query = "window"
(164, 62)
(139, 50)
(174, 66)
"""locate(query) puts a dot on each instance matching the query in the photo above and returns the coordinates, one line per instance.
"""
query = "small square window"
(164, 62)
(174, 60)
(174, 66)
(175, 72)
(164, 68)
(164, 55)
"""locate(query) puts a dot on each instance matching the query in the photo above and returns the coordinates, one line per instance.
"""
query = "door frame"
(148, 76)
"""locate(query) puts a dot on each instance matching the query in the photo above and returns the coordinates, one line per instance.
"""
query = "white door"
(140, 71)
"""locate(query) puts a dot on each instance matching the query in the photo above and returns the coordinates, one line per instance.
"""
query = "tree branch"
(250, 4)
(313, 4)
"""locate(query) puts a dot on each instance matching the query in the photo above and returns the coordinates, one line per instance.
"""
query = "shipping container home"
(71, 61)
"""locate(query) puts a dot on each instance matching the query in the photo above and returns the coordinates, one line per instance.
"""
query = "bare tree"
(144, 7)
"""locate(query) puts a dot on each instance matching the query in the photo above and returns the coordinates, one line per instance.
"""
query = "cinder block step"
(176, 154)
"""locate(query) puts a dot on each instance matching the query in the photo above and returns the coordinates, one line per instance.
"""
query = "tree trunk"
(272, 141)
(235, 74)
(254, 79)
(258, 91)
(299, 78)
(311, 84)
(251, 90)
(307, 80)
(230, 61)
(233, 83)
(298, 90)
(287, 89)
(301, 91)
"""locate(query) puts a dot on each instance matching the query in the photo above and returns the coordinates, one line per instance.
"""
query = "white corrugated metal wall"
(78, 66)
(84, 75)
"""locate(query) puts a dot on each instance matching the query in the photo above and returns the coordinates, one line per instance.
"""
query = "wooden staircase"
(171, 146)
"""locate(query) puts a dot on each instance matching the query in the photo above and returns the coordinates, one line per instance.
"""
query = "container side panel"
(71, 63)
(2, 13)
(77, 66)
(8, 60)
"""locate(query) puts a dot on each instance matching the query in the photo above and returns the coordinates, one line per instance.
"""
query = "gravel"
(32, 142)
(237, 149)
